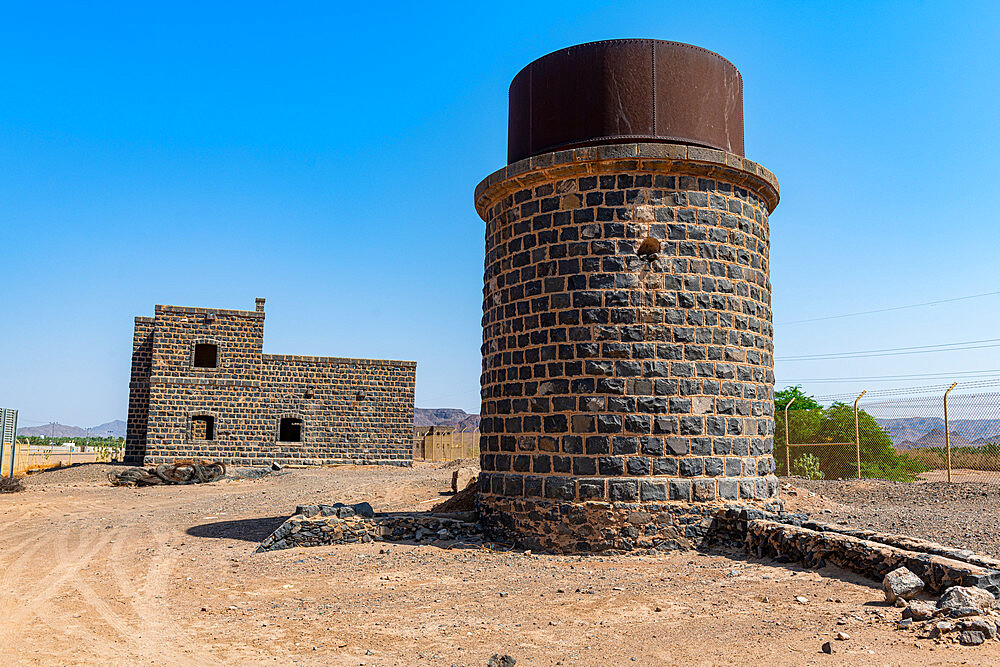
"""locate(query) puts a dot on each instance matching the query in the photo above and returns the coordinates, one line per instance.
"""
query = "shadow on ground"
(830, 571)
(248, 530)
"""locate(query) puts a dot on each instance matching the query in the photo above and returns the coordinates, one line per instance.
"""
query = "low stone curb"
(867, 557)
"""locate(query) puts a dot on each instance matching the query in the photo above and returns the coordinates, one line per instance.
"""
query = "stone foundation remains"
(321, 525)
(623, 527)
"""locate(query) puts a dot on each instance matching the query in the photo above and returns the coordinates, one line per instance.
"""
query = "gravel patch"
(961, 514)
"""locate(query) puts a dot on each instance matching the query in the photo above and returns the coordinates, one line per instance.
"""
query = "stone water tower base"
(595, 527)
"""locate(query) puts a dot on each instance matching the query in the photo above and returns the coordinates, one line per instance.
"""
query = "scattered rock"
(801, 600)
(462, 501)
(971, 638)
(980, 624)
(958, 597)
(827, 648)
(962, 612)
(498, 660)
(842, 636)
(941, 628)
(901, 584)
(919, 610)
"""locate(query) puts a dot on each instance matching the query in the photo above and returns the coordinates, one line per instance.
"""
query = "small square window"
(290, 429)
(203, 427)
(206, 355)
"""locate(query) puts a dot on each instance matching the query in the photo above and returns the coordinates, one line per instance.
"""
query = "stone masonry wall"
(138, 401)
(610, 377)
(352, 410)
(604, 376)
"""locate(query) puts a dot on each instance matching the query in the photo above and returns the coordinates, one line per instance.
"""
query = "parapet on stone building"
(202, 387)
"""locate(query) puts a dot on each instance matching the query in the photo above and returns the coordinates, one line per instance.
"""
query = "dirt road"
(91, 574)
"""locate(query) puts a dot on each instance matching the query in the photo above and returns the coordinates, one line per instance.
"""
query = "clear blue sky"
(324, 157)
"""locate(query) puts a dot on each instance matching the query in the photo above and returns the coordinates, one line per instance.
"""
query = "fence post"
(857, 432)
(947, 437)
(788, 456)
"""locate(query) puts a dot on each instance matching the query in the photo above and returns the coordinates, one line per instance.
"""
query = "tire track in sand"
(42, 587)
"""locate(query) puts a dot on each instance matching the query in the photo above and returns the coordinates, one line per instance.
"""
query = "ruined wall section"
(138, 390)
(353, 410)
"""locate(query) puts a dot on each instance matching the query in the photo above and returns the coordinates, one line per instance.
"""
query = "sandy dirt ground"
(91, 574)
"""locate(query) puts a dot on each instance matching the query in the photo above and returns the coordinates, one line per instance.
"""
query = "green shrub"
(807, 466)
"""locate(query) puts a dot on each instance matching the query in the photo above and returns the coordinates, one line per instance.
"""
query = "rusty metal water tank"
(625, 90)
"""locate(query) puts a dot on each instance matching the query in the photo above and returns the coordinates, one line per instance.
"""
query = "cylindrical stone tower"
(627, 378)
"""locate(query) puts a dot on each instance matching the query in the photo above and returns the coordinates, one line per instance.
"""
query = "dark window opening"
(206, 355)
(203, 428)
(290, 429)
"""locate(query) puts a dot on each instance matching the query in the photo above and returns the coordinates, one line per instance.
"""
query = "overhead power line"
(935, 389)
(891, 378)
(896, 351)
(886, 310)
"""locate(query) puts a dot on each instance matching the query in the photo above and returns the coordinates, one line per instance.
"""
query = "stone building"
(627, 344)
(202, 387)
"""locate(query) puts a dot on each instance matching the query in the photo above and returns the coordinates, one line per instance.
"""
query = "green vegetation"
(807, 466)
(802, 401)
(87, 442)
(832, 430)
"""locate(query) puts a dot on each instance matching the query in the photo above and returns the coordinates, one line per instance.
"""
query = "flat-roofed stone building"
(202, 387)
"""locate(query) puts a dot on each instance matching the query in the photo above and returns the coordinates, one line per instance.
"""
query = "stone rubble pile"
(322, 525)
(963, 614)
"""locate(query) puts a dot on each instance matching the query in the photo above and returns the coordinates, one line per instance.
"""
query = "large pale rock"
(919, 610)
(901, 584)
(959, 597)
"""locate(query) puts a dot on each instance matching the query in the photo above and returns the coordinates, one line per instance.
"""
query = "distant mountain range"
(906, 432)
(911, 429)
(915, 432)
(460, 419)
(114, 428)
(935, 438)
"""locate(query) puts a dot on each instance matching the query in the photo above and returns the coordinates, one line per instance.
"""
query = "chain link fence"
(446, 444)
(935, 435)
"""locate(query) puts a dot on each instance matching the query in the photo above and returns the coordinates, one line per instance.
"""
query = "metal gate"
(8, 440)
